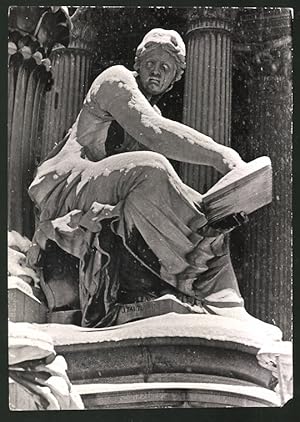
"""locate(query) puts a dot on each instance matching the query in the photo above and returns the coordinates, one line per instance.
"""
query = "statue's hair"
(170, 41)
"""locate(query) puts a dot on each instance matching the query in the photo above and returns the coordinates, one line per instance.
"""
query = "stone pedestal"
(207, 94)
(168, 360)
(23, 306)
(155, 395)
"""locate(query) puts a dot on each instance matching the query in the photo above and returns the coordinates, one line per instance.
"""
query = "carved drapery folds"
(207, 96)
(71, 69)
(262, 125)
(31, 36)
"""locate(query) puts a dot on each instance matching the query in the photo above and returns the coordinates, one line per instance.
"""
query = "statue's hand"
(34, 256)
(229, 160)
(230, 222)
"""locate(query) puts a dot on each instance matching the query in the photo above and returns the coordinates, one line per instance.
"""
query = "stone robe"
(96, 209)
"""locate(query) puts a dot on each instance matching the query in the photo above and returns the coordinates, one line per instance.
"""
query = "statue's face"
(157, 71)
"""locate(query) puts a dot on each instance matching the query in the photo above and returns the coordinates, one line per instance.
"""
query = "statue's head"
(160, 60)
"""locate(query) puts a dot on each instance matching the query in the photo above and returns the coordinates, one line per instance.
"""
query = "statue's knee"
(156, 168)
(156, 177)
(151, 159)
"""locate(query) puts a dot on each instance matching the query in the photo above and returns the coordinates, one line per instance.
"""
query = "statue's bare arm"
(119, 95)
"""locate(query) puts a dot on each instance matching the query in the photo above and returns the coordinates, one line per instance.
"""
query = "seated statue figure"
(108, 195)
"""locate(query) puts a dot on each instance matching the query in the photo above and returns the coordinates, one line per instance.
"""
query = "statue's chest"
(119, 141)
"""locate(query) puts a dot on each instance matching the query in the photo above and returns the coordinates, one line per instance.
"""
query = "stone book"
(244, 189)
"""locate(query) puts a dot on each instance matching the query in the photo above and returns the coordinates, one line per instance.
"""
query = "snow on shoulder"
(115, 74)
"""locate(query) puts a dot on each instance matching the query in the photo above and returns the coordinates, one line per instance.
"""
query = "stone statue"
(108, 196)
(39, 374)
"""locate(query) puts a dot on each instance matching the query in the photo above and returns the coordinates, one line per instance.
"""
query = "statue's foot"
(229, 304)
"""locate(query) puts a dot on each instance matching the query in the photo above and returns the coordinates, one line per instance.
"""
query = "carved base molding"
(155, 395)
(167, 361)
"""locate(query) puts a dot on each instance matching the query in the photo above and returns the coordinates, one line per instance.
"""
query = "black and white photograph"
(149, 235)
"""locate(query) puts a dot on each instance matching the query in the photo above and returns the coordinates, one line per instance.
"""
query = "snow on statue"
(107, 194)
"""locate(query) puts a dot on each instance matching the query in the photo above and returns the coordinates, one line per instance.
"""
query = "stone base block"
(23, 306)
(65, 317)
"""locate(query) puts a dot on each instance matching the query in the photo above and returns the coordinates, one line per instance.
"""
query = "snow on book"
(246, 188)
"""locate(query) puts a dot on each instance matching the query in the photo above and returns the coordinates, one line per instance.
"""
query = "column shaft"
(29, 42)
(71, 71)
(71, 68)
(26, 86)
(262, 125)
(207, 95)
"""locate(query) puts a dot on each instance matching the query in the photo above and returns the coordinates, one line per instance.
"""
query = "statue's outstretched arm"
(119, 95)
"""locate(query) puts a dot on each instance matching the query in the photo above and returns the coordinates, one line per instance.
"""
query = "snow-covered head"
(168, 40)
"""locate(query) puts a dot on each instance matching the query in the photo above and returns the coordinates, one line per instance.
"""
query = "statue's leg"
(138, 190)
(218, 288)
(143, 192)
(151, 198)
(159, 206)
(163, 210)
(220, 274)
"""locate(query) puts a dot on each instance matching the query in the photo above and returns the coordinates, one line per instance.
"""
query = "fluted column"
(71, 68)
(27, 80)
(32, 31)
(262, 125)
(207, 94)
